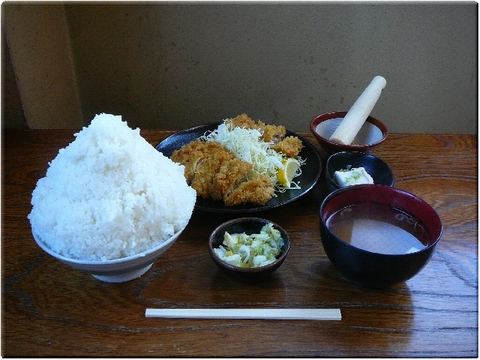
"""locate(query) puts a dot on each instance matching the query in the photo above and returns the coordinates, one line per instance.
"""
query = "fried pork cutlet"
(274, 133)
(256, 191)
(192, 154)
(229, 176)
(204, 178)
(290, 146)
(244, 121)
(215, 172)
(202, 159)
(271, 133)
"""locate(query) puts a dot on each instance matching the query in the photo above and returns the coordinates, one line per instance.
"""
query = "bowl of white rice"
(110, 203)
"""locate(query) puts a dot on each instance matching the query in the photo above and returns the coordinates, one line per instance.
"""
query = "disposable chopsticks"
(262, 314)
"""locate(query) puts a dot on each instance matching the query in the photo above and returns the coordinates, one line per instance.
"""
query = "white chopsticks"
(258, 314)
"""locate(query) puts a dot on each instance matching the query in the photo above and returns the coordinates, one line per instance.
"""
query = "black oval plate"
(311, 171)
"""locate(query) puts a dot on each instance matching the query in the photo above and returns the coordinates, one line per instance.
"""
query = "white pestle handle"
(359, 112)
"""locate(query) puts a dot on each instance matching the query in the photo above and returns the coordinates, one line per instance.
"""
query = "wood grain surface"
(50, 309)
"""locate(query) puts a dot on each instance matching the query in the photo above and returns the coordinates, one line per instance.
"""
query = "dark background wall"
(174, 65)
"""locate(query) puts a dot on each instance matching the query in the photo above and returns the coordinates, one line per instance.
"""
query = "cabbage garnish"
(250, 251)
(247, 145)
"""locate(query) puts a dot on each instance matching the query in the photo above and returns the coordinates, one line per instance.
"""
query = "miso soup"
(378, 229)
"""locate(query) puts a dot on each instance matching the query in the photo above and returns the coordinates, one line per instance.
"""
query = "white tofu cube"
(354, 176)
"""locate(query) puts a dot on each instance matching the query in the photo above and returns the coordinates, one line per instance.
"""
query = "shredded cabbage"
(250, 251)
(248, 146)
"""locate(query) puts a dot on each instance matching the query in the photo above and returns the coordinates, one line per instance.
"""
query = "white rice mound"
(110, 194)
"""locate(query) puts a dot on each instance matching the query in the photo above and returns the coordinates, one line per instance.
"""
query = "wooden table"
(50, 309)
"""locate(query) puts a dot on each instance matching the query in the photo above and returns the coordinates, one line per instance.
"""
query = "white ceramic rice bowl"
(117, 270)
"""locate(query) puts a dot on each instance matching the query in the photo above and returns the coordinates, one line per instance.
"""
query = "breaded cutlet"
(192, 154)
(215, 172)
(290, 146)
(203, 179)
(256, 191)
(244, 121)
(229, 176)
(271, 133)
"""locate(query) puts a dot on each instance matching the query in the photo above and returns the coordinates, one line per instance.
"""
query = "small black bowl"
(376, 167)
(377, 269)
(248, 225)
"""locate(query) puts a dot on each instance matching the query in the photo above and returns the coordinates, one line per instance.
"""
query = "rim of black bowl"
(359, 154)
(283, 253)
(334, 114)
(435, 239)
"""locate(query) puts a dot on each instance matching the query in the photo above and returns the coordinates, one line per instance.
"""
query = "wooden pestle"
(359, 112)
